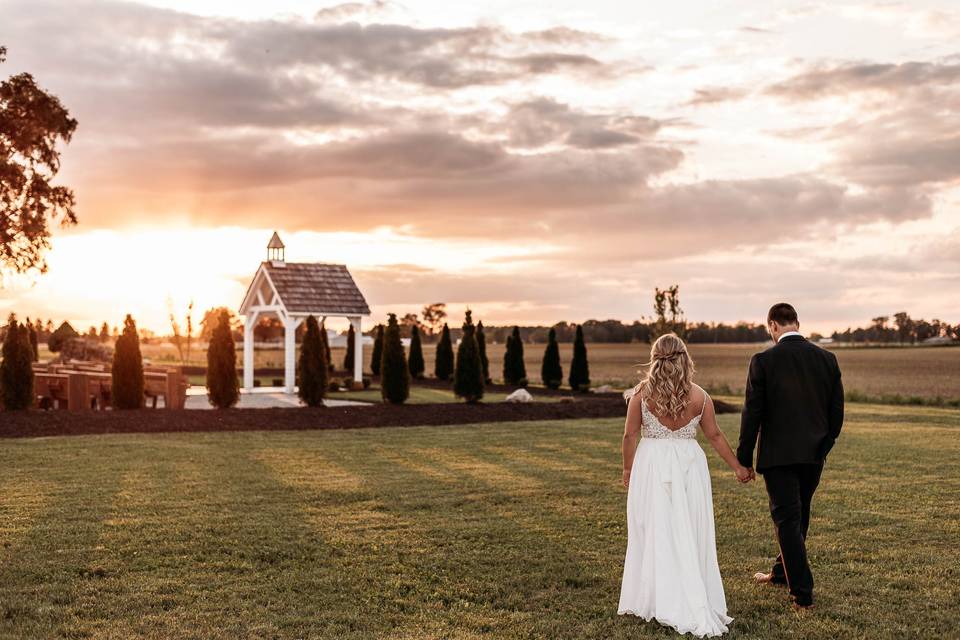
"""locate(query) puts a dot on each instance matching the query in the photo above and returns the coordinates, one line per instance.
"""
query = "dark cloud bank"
(330, 125)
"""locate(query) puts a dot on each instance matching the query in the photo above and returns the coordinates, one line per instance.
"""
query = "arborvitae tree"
(16, 370)
(551, 371)
(127, 371)
(484, 361)
(394, 374)
(34, 341)
(468, 379)
(223, 386)
(313, 366)
(351, 352)
(514, 369)
(415, 363)
(579, 369)
(443, 367)
(508, 359)
(325, 341)
(377, 354)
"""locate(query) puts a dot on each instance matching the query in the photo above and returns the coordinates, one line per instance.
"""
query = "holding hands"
(744, 474)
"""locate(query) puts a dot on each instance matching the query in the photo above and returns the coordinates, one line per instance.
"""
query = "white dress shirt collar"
(789, 333)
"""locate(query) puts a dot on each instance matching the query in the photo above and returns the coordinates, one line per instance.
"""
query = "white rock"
(604, 388)
(520, 395)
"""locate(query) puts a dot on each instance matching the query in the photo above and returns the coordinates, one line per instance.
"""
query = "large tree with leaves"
(127, 369)
(32, 123)
(58, 338)
(394, 374)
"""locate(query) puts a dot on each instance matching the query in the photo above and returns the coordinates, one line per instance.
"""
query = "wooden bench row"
(78, 386)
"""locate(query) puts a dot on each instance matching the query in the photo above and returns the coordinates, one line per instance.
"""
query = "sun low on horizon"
(533, 166)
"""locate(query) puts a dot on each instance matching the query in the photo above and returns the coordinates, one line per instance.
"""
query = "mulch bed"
(29, 424)
(35, 423)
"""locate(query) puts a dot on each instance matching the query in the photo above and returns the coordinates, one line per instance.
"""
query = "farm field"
(915, 374)
(508, 530)
(871, 373)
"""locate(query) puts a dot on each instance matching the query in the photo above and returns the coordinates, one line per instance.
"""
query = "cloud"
(906, 139)
(713, 95)
(540, 122)
(343, 11)
(118, 38)
(852, 77)
(333, 124)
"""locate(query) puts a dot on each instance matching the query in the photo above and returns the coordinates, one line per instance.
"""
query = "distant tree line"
(617, 331)
(900, 329)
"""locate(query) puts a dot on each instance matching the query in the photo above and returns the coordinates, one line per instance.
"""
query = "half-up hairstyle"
(669, 376)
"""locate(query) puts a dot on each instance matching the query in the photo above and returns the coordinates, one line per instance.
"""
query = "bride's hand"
(744, 474)
(626, 478)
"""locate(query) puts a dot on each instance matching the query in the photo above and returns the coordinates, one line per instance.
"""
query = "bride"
(670, 572)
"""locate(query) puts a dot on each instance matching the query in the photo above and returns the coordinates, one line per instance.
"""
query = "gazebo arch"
(292, 291)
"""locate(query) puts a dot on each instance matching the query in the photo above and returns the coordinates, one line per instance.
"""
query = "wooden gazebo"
(292, 291)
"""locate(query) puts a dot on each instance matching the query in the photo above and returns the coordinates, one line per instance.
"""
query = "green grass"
(424, 395)
(506, 531)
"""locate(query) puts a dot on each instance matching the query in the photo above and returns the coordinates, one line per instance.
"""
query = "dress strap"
(706, 398)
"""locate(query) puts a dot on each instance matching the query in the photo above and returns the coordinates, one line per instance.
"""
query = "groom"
(794, 403)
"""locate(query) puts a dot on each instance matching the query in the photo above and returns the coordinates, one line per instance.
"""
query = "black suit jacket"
(794, 404)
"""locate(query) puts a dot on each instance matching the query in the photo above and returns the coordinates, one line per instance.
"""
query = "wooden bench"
(77, 386)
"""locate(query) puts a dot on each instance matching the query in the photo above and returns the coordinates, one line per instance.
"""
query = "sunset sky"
(537, 161)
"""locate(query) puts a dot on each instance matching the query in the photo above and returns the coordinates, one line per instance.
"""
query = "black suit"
(794, 404)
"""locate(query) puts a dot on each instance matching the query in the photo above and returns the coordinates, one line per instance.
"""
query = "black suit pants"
(791, 489)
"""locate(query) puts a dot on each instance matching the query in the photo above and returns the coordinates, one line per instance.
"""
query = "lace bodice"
(653, 428)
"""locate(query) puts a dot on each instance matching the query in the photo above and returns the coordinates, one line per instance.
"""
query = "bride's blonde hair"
(669, 376)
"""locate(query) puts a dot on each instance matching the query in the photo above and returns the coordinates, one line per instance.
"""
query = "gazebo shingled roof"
(310, 287)
(292, 291)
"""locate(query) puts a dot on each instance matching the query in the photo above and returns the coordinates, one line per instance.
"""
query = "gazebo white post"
(357, 350)
(248, 350)
(289, 353)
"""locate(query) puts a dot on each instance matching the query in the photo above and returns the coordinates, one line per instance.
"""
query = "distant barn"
(292, 291)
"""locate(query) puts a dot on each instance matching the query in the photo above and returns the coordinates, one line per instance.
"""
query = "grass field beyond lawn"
(503, 531)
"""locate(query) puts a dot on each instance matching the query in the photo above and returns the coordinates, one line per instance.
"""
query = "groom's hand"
(745, 474)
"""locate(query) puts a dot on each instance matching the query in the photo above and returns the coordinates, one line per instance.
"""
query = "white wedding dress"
(670, 573)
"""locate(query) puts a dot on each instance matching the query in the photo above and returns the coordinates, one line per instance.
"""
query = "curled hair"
(669, 376)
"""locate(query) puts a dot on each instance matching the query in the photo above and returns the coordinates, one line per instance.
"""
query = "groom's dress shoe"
(767, 578)
(802, 608)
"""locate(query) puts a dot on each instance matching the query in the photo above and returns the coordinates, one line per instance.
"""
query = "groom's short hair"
(783, 314)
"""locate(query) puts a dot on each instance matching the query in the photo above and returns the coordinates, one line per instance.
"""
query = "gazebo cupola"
(293, 291)
(275, 249)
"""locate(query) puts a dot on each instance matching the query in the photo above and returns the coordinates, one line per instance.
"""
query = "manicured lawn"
(423, 395)
(505, 531)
